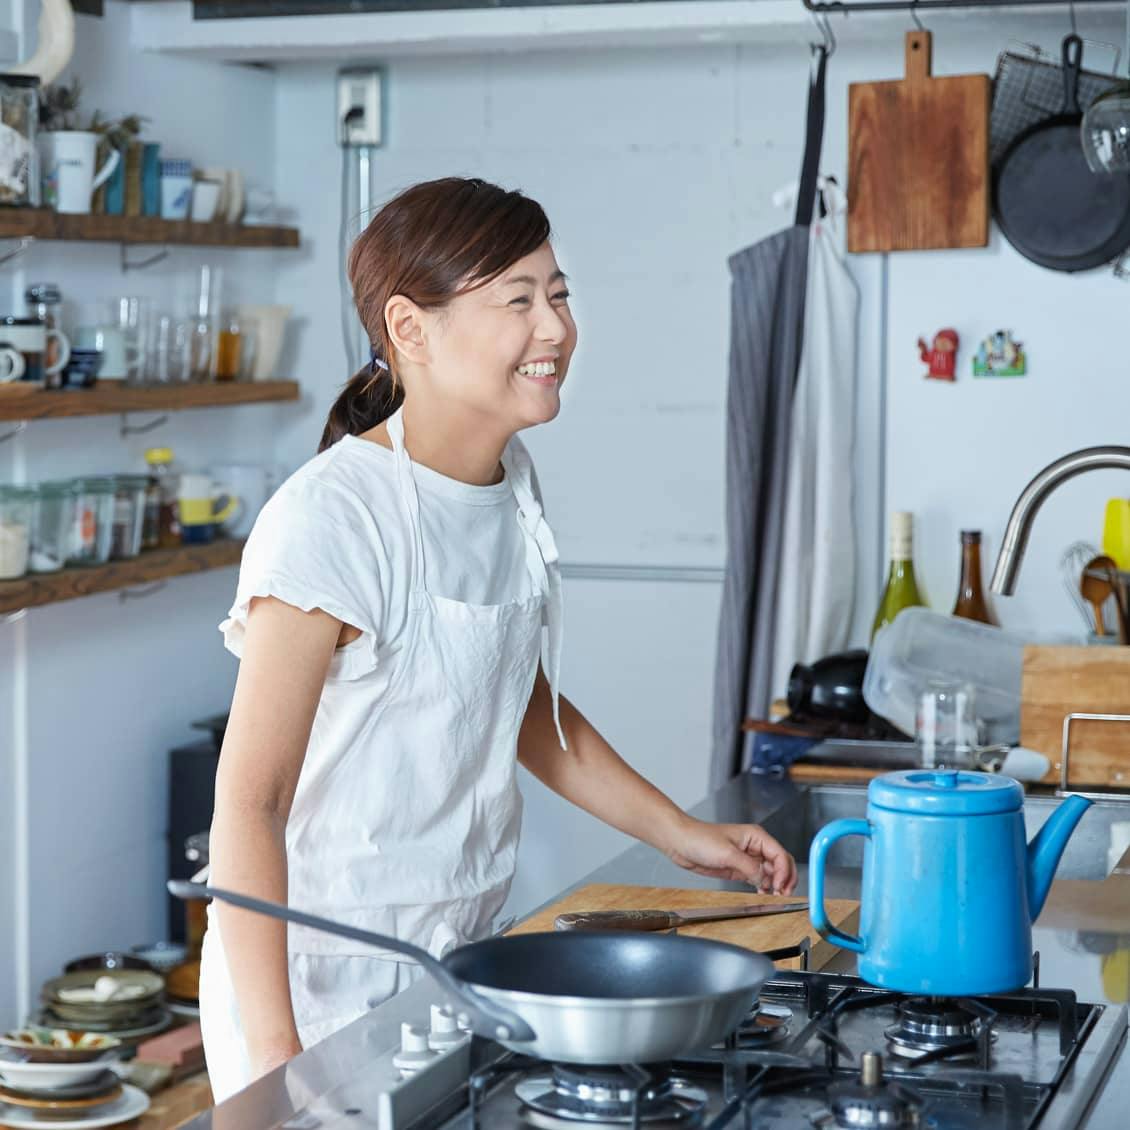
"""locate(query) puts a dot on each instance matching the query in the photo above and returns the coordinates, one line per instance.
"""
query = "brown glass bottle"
(971, 603)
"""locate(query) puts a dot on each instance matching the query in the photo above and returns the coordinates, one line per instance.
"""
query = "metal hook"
(25, 242)
(141, 592)
(13, 617)
(127, 429)
(914, 15)
(1071, 13)
(829, 40)
(14, 432)
(139, 264)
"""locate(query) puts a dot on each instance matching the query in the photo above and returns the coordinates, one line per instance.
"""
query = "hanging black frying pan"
(1049, 205)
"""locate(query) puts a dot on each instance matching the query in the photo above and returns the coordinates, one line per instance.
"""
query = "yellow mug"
(1116, 532)
(203, 511)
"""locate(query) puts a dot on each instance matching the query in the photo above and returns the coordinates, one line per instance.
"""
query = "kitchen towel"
(815, 595)
(767, 303)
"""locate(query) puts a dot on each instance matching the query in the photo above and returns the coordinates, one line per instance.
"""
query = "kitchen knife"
(667, 919)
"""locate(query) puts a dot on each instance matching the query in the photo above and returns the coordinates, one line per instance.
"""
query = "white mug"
(67, 169)
(29, 336)
(119, 357)
(250, 483)
(12, 364)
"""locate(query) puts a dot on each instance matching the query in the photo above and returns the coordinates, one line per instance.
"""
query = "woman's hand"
(734, 851)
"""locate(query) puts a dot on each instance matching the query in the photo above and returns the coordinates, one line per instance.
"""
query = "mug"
(250, 484)
(202, 505)
(30, 336)
(119, 357)
(12, 364)
(67, 169)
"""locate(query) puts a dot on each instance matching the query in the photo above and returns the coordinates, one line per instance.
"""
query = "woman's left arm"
(593, 776)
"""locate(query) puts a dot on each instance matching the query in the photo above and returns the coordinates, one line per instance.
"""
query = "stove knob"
(445, 1032)
(414, 1051)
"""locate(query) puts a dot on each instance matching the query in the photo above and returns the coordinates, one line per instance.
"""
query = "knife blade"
(667, 919)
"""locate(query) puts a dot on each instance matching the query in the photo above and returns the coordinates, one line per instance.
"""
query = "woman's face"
(503, 349)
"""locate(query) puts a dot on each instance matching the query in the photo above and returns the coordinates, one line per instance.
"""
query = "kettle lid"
(946, 792)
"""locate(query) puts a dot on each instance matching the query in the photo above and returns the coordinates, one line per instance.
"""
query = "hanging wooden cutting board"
(918, 165)
(775, 932)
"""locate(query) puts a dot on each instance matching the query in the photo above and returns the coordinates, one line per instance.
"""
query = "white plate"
(51, 1074)
(133, 1103)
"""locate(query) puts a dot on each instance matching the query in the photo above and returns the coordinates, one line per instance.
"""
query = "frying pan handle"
(485, 1017)
(817, 858)
(1072, 65)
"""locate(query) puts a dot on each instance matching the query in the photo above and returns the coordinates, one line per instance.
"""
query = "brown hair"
(434, 241)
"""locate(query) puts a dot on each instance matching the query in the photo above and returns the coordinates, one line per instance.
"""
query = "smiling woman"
(390, 617)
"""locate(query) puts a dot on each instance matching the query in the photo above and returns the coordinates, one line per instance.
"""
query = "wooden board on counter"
(774, 932)
(918, 167)
(1058, 681)
(176, 1105)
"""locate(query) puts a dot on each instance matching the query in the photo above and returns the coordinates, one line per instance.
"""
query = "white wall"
(111, 685)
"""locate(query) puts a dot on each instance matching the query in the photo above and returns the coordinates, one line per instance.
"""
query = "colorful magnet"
(1000, 356)
(941, 356)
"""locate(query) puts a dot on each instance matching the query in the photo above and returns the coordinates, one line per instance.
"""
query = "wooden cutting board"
(774, 932)
(918, 165)
(1058, 681)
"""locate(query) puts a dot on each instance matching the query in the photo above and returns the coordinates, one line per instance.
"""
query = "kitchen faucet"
(1032, 498)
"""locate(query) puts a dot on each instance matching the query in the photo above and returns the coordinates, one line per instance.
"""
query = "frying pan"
(573, 997)
(1049, 205)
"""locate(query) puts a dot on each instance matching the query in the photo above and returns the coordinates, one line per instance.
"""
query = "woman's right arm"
(286, 655)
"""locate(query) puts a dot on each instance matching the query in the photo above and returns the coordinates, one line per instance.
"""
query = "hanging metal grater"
(1028, 87)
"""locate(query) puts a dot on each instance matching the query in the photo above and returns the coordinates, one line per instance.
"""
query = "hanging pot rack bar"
(824, 7)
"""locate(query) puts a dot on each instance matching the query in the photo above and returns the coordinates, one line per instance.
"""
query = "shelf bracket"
(25, 242)
(141, 592)
(128, 429)
(140, 264)
(13, 617)
(13, 432)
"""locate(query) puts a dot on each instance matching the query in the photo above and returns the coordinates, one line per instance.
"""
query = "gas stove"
(820, 1051)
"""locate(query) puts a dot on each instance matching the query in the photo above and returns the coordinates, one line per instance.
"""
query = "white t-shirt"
(335, 536)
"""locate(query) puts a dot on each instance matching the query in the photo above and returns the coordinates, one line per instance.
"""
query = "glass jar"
(15, 519)
(93, 525)
(19, 116)
(44, 302)
(52, 520)
(164, 480)
(129, 516)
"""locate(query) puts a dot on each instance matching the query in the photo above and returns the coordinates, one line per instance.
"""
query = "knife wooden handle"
(617, 920)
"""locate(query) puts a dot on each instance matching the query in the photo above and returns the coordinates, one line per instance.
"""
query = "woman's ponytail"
(365, 401)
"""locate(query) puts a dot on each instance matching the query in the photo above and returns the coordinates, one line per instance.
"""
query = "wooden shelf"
(42, 223)
(38, 589)
(22, 401)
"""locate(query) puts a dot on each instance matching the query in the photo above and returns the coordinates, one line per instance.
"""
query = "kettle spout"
(1046, 848)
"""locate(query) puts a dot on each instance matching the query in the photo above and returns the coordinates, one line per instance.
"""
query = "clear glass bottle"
(163, 483)
(19, 117)
(902, 588)
(15, 525)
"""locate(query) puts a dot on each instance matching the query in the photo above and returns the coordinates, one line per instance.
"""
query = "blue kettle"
(950, 888)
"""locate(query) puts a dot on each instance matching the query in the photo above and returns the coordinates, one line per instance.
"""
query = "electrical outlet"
(360, 106)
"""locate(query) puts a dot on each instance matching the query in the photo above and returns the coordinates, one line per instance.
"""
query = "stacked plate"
(60, 1080)
(122, 1002)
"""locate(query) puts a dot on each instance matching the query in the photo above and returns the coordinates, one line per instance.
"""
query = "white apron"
(422, 836)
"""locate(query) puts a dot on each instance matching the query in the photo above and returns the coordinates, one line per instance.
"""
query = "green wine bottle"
(902, 589)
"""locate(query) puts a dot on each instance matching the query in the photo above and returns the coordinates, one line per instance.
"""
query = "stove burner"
(871, 1102)
(611, 1095)
(928, 1024)
(768, 1025)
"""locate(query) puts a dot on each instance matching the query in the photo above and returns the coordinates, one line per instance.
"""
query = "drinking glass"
(946, 726)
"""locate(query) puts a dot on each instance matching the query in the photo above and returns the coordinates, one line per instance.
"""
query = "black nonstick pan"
(1048, 204)
(574, 997)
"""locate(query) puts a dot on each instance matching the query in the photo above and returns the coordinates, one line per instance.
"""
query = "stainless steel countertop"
(1085, 924)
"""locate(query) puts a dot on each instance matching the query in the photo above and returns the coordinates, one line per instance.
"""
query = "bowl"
(57, 1045)
(52, 1076)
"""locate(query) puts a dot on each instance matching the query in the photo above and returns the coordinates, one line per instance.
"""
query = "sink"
(800, 818)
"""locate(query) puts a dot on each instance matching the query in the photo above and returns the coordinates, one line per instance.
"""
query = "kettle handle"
(821, 845)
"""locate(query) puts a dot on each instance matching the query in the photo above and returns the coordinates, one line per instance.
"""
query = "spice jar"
(19, 115)
(52, 520)
(15, 518)
(163, 483)
(93, 524)
(129, 516)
